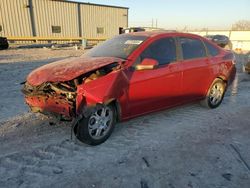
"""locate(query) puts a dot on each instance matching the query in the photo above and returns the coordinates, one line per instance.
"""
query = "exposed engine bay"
(51, 96)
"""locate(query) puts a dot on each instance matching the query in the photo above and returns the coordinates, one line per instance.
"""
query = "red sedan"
(128, 76)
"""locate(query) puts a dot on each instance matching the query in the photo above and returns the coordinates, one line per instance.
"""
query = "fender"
(107, 89)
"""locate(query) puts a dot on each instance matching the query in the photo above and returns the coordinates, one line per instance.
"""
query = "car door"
(195, 67)
(151, 90)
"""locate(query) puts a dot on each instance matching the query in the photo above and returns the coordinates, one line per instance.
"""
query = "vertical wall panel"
(56, 13)
(110, 18)
(1, 19)
(15, 18)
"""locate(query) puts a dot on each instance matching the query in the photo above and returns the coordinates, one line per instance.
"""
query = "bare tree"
(242, 25)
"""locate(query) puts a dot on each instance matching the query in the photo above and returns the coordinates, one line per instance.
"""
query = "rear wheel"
(97, 127)
(215, 94)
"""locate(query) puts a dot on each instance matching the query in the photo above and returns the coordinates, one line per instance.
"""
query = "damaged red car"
(128, 76)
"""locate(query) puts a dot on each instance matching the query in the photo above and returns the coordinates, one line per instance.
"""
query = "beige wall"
(240, 39)
(55, 13)
(16, 20)
(107, 17)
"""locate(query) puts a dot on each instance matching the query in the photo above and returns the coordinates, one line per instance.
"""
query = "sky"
(183, 14)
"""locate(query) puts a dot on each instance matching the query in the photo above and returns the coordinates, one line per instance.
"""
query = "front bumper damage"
(58, 99)
(67, 99)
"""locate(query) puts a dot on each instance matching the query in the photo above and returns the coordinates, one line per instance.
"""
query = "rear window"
(212, 50)
(192, 48)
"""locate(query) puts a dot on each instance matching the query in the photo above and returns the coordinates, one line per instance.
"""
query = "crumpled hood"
(68, 69)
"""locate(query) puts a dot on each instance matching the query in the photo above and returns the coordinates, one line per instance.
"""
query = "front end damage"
(66, 100)
(51, 98)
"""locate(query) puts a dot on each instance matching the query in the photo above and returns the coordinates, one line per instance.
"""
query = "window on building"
(162, 50)
(1, 28)
(100, 30)
(212, 50)
(192, 48)
(56, 29)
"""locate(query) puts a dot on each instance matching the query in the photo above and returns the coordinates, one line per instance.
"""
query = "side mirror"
(147, 64)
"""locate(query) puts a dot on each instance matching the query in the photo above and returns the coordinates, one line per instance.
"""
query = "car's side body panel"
(196, 77)
(152, 90)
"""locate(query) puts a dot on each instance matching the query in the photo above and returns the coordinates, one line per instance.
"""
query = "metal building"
(60, 18)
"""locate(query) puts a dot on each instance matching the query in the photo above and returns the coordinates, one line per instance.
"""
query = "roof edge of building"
(94, 4)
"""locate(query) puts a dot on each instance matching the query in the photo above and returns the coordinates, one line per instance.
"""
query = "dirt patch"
(188, 146)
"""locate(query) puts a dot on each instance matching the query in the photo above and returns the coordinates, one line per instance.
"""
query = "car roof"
(162, 32)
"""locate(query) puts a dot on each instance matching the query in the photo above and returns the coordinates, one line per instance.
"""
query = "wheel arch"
(216, 79)
(223, 78)
(115, 103)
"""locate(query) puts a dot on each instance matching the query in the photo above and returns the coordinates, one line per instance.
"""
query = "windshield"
(120, 46)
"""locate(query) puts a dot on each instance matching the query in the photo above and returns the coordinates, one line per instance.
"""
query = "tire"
(215, 94)
(4, 47)
(97, 127)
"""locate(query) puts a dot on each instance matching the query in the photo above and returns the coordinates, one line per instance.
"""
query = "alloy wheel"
(216, 93)
(100, 122)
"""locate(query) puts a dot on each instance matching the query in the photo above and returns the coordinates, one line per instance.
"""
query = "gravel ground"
(187, 146)
(15, 65)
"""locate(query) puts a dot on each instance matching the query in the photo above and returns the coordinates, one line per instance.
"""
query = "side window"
(213, 51)
(162, 50)
(192, 48)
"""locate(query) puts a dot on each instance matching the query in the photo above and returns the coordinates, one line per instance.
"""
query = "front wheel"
(97, 127)
(215, 94)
